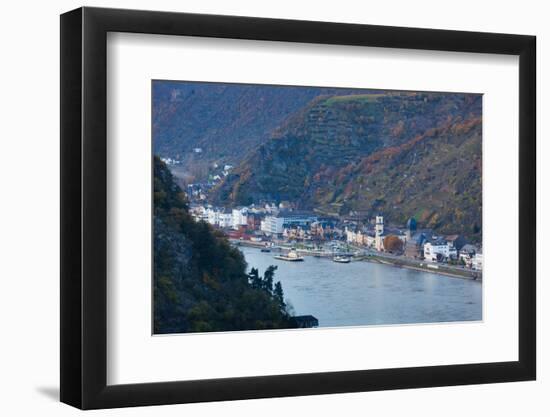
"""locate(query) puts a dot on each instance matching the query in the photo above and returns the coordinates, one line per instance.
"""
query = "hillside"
(435, 177)
(314, 159)
(200, 281)
(225, 121)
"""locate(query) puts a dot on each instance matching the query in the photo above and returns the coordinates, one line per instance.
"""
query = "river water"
(366, 293)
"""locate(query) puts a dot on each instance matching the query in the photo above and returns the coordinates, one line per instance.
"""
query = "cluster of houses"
(418, 244)
(268, 222)
(271, 221)
(198, 192)
(170, 161)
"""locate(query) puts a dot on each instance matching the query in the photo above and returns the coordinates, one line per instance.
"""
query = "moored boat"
(342, 259)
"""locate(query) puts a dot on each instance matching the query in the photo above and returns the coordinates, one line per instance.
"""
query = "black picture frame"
(84, 207)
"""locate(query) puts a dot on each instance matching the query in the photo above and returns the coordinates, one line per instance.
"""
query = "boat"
(291, 256)
(265, 248)
(342, 259)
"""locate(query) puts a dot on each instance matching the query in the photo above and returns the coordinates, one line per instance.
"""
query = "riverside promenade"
(367, 255)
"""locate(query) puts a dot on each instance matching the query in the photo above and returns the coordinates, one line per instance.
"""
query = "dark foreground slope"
(200, 281)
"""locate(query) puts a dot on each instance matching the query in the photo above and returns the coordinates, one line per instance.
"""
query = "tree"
(278, 294)
(255, 279)
(201, 283)
(393, 244)
(269, 274)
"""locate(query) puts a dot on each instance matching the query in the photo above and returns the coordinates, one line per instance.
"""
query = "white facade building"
(275, 224)
(226, 220)
(438, 247)
(199, 213)
(220, 218)
(477, 263)
(239, 217)
(272, 225)
(351, 236)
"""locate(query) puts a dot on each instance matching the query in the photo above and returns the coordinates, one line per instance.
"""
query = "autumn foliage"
(393, 244)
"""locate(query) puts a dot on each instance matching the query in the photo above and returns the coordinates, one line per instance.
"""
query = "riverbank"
(398, 262)
(423, 266)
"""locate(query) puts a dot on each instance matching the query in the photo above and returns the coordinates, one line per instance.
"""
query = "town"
(282, 227)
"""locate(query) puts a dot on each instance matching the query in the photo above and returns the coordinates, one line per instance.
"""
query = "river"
(366, 293)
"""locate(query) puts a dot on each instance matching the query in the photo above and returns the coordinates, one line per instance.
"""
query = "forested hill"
(200, 281)
(317, 160)
(224, 120)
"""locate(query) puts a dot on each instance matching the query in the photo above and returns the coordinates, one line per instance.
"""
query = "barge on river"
(291, 256)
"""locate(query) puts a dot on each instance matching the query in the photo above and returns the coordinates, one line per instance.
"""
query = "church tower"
(379, 232)
(379, 228)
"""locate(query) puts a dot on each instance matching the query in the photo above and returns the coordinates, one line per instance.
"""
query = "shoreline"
(452, 274)
(397, 263)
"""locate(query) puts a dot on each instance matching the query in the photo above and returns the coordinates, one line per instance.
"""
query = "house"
(253, 221)
(457, 241)
(239, 217)
(438, 250)
(369, 239)
(359, 236)
(225, 219)
(477, 263)
(467, 254)
(295, 233)
(351, 235)
(219, 217)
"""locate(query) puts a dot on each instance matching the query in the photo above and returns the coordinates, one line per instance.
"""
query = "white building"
(239, 217)
(199, 213)
(275, 224)
(272, 225)
(467, 255)
(218, 217)
(438, 248)
(477, 263)
(226, 220)
(351, 236)
(213, 216)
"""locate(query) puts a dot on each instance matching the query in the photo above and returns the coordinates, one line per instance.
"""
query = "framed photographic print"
(257, 208)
